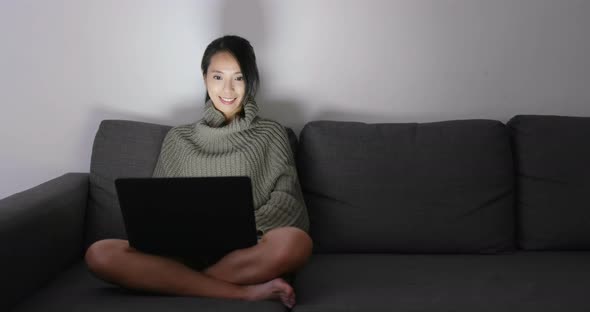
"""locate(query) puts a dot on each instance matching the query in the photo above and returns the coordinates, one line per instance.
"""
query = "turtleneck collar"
(212, 132)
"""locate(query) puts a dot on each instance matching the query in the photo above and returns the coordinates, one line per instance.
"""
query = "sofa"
(461, 215)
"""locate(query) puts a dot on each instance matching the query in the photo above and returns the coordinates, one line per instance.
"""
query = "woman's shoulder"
(270, 125)
(272, 128)
(182, 129)
(179, 133)
(276, 136)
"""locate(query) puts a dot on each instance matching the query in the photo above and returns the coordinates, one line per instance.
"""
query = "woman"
(230, 140)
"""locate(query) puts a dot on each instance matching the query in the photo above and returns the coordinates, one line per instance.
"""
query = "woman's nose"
(228, 86)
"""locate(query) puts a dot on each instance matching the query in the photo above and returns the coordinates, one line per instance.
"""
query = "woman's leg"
(281, 250)
(116, 262)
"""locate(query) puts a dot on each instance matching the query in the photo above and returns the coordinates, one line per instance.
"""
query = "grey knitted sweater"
(248, 146)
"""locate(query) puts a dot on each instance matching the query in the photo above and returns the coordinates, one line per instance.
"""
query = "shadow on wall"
(185, 112)
(246, 19)
(100, 112)
(243, 18)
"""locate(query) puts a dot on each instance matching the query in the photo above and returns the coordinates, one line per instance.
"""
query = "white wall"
(67, 64)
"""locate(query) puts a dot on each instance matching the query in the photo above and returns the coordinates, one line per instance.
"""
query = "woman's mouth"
(227, 101)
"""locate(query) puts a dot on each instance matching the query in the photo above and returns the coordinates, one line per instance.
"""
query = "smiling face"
(225, 84)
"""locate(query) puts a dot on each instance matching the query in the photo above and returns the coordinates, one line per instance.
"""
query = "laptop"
(188, 217)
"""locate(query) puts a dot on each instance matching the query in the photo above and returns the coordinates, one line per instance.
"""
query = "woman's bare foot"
(273, 289)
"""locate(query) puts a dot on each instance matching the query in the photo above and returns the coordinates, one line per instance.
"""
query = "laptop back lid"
(188, 217)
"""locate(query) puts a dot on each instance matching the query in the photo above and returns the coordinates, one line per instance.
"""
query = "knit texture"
(248, 146)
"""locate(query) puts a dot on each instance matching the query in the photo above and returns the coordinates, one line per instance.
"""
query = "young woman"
(230, 140)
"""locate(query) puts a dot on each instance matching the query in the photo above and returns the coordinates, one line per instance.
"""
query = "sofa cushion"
(553, 172)
(519, 282)
(432, 187)
(78, 290)
(122, 148)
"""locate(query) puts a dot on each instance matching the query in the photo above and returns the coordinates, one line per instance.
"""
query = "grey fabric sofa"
(466, 215)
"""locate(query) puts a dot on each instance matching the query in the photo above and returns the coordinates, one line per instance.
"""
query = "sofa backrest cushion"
(122, 149)
(553, 181)
(442, 187)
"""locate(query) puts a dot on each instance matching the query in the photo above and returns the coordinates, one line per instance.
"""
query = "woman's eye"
(240, 78)
(216, 77)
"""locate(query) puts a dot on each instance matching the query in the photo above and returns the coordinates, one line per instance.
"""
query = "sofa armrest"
(41, 234)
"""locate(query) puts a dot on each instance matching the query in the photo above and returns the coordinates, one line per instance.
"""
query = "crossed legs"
(247, 274)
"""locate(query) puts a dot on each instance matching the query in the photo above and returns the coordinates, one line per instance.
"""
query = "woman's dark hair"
(241, 49)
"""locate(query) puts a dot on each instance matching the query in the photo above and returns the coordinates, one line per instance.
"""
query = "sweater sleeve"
(160, 168)
(285, 206)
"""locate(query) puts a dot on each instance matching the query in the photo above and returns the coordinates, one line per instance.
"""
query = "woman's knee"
(291, 247)
(103, 254)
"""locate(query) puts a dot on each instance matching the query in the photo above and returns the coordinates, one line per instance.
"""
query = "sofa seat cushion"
(78, 290)
(522, 281)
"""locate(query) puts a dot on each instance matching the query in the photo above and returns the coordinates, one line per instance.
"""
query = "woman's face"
(225, 84)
